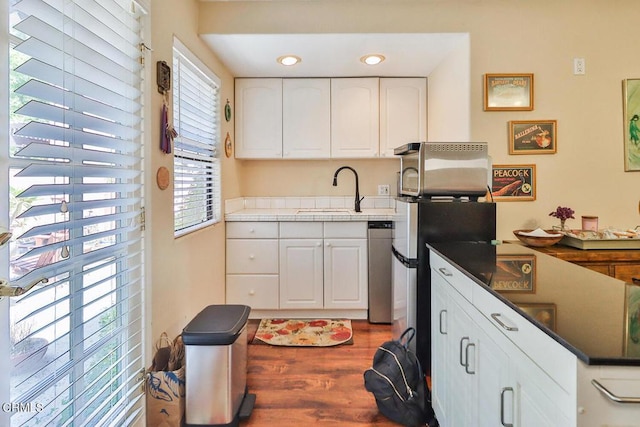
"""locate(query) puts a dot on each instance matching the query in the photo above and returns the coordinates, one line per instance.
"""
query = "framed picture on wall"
(533, 136)
(631, 121)
(513, 182)
(508, 92)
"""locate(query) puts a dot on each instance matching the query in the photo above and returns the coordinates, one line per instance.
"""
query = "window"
(75, 201)
(196, 192)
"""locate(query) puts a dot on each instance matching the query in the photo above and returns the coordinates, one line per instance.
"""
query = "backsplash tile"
(320, 202)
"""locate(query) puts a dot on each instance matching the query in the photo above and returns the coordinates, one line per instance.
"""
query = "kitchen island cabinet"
(495, 359)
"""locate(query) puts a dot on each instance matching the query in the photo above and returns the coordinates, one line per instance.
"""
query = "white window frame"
(214, 210)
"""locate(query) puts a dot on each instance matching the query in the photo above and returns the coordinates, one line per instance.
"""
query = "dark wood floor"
(303, 386)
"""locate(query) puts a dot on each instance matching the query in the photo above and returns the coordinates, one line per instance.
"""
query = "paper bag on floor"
(165, 398)
(164, 389)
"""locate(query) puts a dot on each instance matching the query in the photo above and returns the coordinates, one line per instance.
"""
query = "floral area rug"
(304, 333)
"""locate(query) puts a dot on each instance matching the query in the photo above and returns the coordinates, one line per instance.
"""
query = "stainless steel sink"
(323, 211)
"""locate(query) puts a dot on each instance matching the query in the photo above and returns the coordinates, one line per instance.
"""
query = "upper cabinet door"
(403, 112)
(258, 118)
(306, 114)
(355, 117)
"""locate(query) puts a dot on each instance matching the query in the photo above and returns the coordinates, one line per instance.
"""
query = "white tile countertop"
(374, 208)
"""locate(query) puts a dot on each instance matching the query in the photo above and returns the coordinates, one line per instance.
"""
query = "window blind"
(75, 204)
(196, 160)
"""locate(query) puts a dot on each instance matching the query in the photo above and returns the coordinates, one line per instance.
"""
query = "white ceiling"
(332, 55)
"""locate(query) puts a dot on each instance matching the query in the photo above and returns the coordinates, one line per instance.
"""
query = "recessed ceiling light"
(374, 59)
(289, 60)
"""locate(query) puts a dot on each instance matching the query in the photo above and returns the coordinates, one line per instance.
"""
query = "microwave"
(453, 169)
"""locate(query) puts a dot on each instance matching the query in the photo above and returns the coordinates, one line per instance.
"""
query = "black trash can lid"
(216, 325)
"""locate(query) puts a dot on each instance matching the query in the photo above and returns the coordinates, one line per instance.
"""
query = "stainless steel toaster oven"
(457, 169)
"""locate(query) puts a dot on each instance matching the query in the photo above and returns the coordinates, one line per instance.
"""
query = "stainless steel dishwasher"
(379, 246)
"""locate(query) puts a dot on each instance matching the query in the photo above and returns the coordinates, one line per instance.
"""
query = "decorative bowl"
(539, 241)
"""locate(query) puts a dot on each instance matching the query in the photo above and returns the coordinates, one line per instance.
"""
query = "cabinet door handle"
(445, 272)
(462, 341)
(252, 256)
(618, 399)
(496, 317)
(442, 331)
(504, 390)
(466, 354)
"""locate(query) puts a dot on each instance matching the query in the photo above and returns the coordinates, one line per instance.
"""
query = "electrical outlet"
(578, 66)
(383, 190)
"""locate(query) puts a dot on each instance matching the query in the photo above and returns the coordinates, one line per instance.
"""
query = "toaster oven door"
(410, 174)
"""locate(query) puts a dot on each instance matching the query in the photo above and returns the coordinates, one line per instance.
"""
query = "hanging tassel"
(165, 140)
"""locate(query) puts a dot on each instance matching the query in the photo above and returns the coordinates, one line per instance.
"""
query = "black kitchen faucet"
(335, 184)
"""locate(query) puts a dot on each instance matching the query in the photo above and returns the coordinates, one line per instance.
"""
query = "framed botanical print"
(631, 121)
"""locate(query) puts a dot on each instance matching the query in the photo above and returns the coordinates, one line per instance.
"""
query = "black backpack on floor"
(399, 385)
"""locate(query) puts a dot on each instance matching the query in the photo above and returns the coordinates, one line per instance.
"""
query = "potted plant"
(563, 214)
(25, 349)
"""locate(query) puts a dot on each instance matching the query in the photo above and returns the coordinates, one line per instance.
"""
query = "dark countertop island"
(594, 316)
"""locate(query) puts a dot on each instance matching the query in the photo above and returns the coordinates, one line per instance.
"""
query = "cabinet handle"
(251, 256)
(252, 230)
(327, 244)
(496, 316)
(462, 340)
(466, 353)
(318, 244)
(445, 272)
(504, 390)
(618, 399)
(442, 332)
(252, 292)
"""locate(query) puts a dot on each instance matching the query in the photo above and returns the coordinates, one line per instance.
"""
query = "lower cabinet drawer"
(252, 256)
(258, 291)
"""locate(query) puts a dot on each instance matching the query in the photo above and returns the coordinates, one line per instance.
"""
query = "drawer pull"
(602, 389)
(504, 390)
(252, 256)
(445, 272)
(252, 292)
(252, 230)
(496, 316)
(463, 362)
(466, 353)
(442, 331)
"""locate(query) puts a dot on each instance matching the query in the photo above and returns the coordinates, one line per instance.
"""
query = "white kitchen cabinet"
(258, 123)
(323, 265)
(479, 376)
(403, 112)
(355, 117)
(252, 264)
(301, 273)
(345, 273)
(306, 118)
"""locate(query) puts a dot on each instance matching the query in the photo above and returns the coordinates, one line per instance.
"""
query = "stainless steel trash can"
(215, 343)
